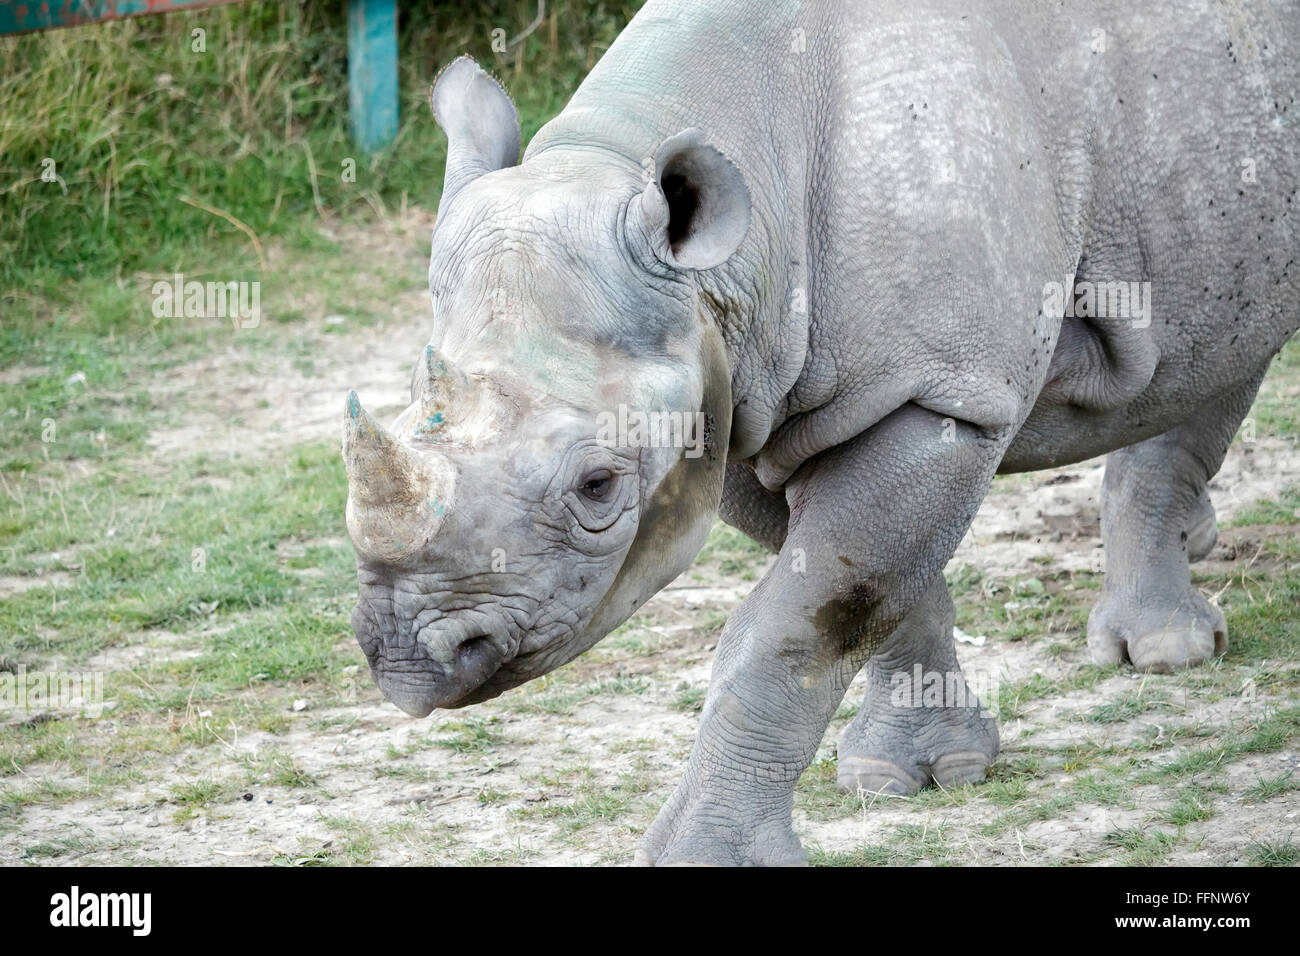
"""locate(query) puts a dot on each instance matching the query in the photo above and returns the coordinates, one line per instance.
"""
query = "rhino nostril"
(455, 644)
(472, 646)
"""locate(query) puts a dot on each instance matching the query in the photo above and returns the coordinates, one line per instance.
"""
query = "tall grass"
(152, 142)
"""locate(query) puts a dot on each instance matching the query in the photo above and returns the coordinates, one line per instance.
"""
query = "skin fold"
(880, 252)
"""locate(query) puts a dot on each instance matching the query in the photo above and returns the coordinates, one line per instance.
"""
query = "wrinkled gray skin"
(839, 254)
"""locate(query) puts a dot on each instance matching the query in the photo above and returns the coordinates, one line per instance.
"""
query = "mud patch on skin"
(847, 620)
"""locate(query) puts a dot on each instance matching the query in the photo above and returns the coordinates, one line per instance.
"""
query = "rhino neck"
(681, 65)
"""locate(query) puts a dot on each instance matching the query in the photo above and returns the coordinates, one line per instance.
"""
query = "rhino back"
(922, 172)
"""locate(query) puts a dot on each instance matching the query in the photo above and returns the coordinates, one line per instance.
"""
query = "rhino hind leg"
(1156, 518)
(753, 510)
(919, 723)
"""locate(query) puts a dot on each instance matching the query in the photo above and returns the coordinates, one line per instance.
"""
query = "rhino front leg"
(1155, 518)
(872, 522)
(920, 722)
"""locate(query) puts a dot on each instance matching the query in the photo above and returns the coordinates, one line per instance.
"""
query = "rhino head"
(501, 526)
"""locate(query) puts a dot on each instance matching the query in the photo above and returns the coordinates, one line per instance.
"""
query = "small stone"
(299, 705)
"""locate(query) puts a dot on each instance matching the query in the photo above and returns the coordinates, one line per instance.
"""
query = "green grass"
(690, 697)
(1192, 805)
(255, 126)
(276, 768)
(1274, 413)
(1112, 791)
(555, 694)
(1269, 733)
(1143, 847)
(52, 850)
(473, 735)
(1268, 787)
(1125, 707)
(198, 795)
(1284, 510)
(354, 842)
(1274, 852)
(590, 805)
(907, 845)
(182, 551)
(1014, 696)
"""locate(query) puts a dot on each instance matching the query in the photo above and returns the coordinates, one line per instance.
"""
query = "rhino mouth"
(434, 672)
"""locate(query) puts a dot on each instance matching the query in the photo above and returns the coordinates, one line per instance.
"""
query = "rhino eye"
(598, 486)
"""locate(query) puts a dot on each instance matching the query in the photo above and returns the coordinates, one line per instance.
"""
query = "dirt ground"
(571, 770)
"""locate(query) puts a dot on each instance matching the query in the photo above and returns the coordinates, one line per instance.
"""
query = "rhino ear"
(480, 121)
(694, 212)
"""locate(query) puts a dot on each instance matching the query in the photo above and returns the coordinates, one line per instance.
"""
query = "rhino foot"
(920, 723)
(944, 747)
(698, 829)
(869, 775)
(1157, 636)
(1156, 519)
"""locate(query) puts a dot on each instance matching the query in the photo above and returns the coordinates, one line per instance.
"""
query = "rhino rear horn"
(444, 386)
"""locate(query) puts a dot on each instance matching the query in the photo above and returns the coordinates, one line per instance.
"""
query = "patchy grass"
(1192, 805)
(191, 548)
(1143, 846)
(1275, 852)
(474, 735)
(1267, 788)
(690, 697)
(1126, 707)
(555, 694)
(276, 767)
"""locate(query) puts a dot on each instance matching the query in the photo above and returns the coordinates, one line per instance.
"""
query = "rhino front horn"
(396, 494)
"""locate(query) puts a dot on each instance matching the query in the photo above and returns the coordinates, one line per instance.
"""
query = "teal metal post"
(372, 72)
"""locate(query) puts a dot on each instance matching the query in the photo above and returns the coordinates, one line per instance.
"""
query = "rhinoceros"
(861, 257)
